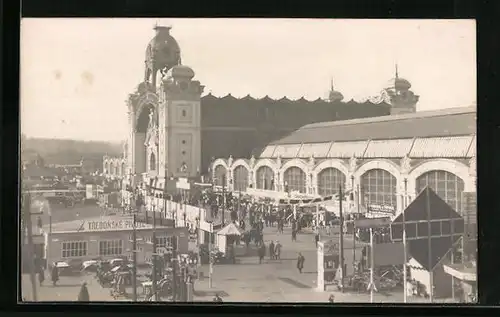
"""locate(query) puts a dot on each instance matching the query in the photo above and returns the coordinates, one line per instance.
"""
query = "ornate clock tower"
(180, 123)
(164, 116)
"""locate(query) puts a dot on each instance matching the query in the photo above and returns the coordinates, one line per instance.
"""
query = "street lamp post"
(223, 198)
(211, 268)
(405, 277)
(353, 227)
(27, 218)
(134, 257)
(341, 242)
(155, 258)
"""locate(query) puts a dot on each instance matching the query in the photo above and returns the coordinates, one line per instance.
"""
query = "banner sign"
(112, 225)
(383, 208)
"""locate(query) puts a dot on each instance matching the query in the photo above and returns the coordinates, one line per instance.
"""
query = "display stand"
(328, 263)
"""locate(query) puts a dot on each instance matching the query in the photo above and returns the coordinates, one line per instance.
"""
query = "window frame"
(119, 247)
(71, 250)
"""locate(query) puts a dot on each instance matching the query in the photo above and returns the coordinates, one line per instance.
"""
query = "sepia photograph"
(245, 160)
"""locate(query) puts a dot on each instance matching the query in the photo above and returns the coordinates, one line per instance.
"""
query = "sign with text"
(390, 209)
(110, 225)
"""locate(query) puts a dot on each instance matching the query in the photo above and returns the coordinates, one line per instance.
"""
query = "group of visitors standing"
(54, 272)
(274, 251)
(83, 294)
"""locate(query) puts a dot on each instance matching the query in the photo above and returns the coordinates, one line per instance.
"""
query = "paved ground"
(279, 280)
(246, 281)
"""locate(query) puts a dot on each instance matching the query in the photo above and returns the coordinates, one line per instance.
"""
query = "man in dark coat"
(55, 274)
(41, 275)
(83, 296)
(300, 262)
(271, 250)
(262, 252)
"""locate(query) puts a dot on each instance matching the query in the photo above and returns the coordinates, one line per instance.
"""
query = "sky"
(77, 73)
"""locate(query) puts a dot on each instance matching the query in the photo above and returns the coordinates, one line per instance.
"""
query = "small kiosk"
(466, 274)
(328, 263)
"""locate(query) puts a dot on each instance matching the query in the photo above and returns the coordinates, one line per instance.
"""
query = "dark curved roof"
(441, 123)
(285, 99)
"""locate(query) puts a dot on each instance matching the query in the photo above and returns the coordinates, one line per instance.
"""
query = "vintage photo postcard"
(248, 160)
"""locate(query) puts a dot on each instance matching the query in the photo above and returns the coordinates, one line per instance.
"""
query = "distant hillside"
(58, 151)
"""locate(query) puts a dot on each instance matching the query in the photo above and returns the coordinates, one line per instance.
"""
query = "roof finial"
(331, 83)
(397, 70)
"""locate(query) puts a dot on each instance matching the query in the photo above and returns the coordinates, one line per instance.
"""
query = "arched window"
(296, 179)
(152, 162)
(111, 168)
(378, 187)
(240, 175)
(447, 185)
(123, 169)
(107, 170)
(219, 173)
(329, 181)
(265, 178)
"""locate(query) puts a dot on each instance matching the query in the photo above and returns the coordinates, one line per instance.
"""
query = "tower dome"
(398, 93)
(398, 83)
(334, 95)
(165, 48)
(162, 53)
(181, 72)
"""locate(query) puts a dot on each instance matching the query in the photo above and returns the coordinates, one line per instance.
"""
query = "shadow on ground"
(294, 283)
(60, 285)
(210, 293)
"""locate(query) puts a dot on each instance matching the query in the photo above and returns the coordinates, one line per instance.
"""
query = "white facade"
(401, 165)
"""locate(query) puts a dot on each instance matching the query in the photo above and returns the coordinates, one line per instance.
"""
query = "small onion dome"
(399, 84)
(335, 96)
(181, 71)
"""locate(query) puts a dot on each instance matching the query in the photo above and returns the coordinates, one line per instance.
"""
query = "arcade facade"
(386, 183)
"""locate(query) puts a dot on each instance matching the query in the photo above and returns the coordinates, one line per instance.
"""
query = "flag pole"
(405, 255)
(372, 267)
(429, 246)
(341, 242)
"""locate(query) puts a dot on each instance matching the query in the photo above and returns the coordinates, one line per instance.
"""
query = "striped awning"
(268, 151)
(287, 150)
(318, 150)
(347, 149)
(388, 148)
(441, 147)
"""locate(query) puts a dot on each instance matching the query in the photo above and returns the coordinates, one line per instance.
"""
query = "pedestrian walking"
(316, 239)
(271, 250)
(331, 299)
(294, 235)
(41, 276)
(39, 224)
(300, 262)
(55, 274)
(83, 295)
(277, 250)
(217, 299)
(262, 252)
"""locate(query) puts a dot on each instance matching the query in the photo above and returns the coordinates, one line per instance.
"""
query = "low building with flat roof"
(107, 238)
